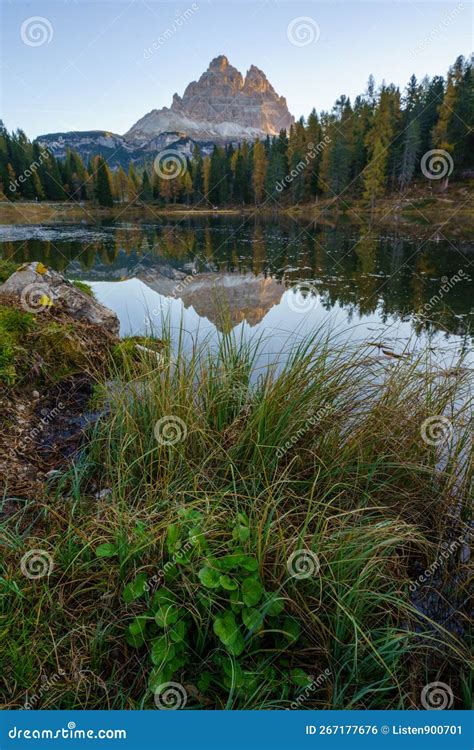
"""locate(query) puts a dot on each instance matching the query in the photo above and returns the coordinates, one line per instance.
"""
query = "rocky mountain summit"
(221, 107)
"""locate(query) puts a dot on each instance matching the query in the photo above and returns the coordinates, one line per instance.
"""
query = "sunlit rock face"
(222, 106)
(226, 299)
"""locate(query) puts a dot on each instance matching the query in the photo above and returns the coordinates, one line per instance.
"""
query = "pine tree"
(146, 192)
(103, 185)
(259, 170)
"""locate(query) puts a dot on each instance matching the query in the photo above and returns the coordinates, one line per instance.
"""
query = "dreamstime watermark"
(311, 153)
(36, 31)
(36, 563)
(317, 416)
(34, 299)
(310, 688)
(42, 423)
(449, 548)
(178, 288)
(47, 151)
(302, 31)
(170, 164)
(436, 430)
(180, 19)
(437, 164)
(46, 684)
(157, 579)
(437, 696)
(302, 297)
(70, 732)
(170, 696)
(170, 430)
(303, 564)
(435, 33)
(447, 285)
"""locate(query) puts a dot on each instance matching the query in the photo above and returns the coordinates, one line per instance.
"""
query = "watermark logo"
(436, 430)
(170, 696)
(313, 419)
(303, 297)
(36, 31)
(36, 563)
(311, 153)
(302, 31)
(34, 299)
(437, 164)
(446, 285)
(170, 164)
(180, 19)
(47, 151)
(170, 430)
(310, 688)
(437, 696)
(437, 31)
(303, 564)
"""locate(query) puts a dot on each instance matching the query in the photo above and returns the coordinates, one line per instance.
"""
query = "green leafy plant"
(229, 592)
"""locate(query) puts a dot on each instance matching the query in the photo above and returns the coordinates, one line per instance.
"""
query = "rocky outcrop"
(221, 106)
(39, 287)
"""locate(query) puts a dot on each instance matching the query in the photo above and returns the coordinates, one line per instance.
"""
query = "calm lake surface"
(275, 280)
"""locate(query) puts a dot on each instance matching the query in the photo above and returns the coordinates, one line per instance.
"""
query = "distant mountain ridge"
(221, 107)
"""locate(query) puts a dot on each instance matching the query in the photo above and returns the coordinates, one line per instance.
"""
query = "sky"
(103, 64)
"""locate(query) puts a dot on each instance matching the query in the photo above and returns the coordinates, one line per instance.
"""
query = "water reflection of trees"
(355, 268)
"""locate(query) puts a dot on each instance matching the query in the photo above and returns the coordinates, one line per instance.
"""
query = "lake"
(277, 280)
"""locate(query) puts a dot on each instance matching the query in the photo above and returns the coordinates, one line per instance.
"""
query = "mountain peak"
(220, 62)
(221, 107)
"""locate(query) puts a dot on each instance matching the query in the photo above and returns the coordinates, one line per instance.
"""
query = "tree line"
(380, 143)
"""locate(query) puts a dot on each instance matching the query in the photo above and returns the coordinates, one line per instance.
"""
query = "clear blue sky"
(93, 72)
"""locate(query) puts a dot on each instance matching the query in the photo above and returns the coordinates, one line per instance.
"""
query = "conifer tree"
(103, 185)
(259, 170)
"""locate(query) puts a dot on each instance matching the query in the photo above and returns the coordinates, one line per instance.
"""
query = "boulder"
(39, 287)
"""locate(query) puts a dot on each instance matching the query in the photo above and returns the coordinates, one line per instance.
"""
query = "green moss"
(61, 352)
(14, 326)
(83, 287)
(7, 267)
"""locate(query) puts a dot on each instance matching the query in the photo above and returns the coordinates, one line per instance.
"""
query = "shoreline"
(422, 214)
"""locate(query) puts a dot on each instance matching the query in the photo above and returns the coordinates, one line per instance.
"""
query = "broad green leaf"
(178, 631)
(274, 605)
(135, 640)
(159, 677)
(237, 645)
(241, 533)
(162, 596)
(137, 627)
(252, 591)
(226, 628)
(204, 681)
(106, 550)
(233, 673)
(172, 536)
(162, 651)
(291, 628)
(300, 678)
(252, 618)
(209, 577)
(243, 519)
(248, 563)
(166, 615)
(135, 589)
(228, 583)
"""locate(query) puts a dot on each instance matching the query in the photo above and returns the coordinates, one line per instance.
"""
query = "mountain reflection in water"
(381, 285)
